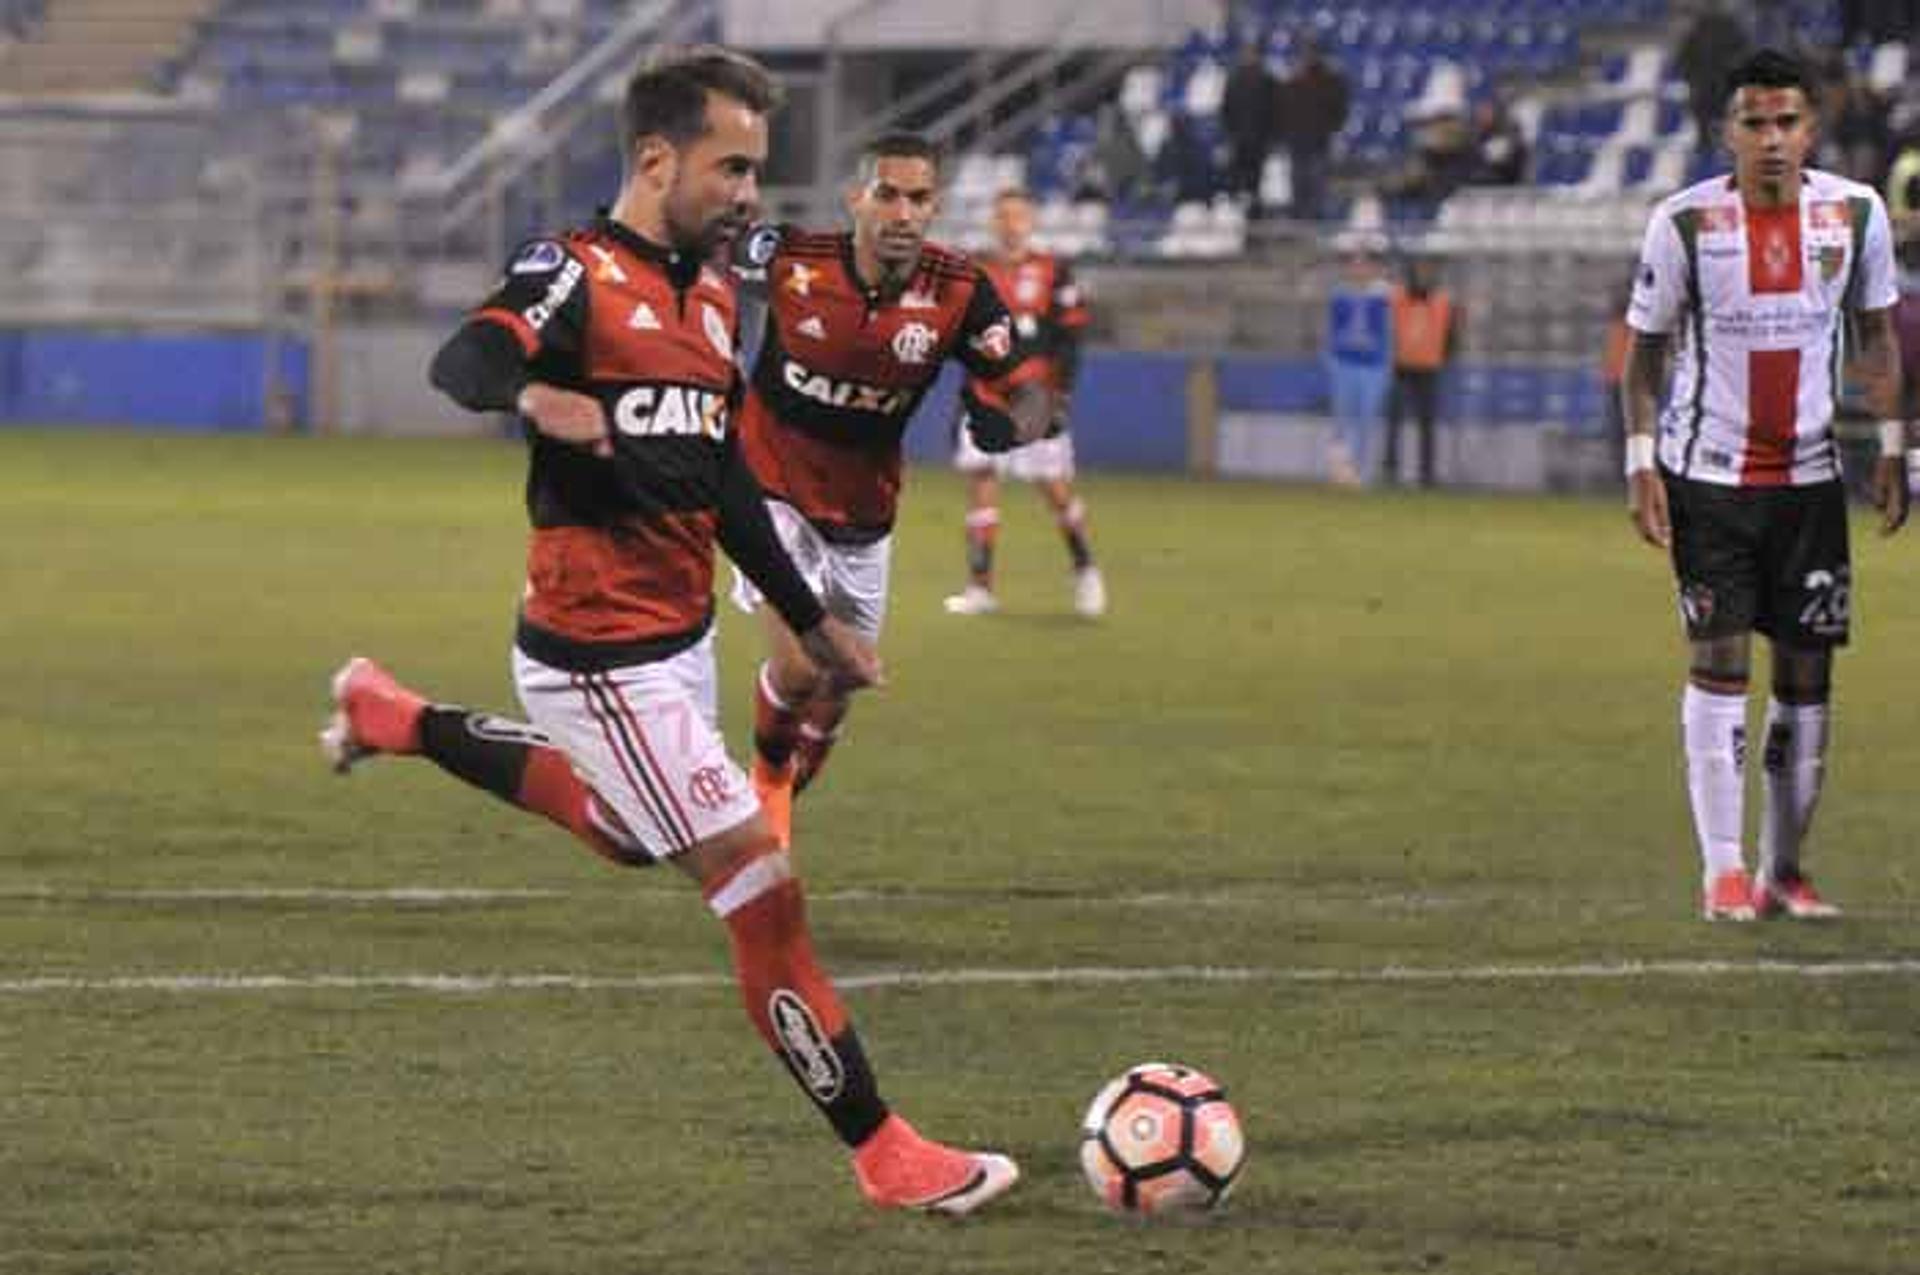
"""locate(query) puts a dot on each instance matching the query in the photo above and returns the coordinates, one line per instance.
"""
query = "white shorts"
(1046, 460)
(647, 741)
(850, 579)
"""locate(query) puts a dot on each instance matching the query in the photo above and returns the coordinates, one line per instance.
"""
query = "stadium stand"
(297, 167)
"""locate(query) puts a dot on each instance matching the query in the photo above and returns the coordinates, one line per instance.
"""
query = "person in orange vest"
(1424, 323)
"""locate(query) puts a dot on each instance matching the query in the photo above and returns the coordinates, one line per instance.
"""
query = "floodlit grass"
(1330, 742)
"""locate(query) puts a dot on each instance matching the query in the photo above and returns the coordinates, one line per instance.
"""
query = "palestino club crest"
(1776, 256)
(914, 342)
(1696, 604)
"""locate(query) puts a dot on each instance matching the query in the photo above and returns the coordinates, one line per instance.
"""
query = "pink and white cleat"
(899, 1169)
(1792, 896)
(1728, 896)
(372, 714)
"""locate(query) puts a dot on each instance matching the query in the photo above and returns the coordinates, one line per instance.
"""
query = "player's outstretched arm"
(1640, 404)
(1880, 364)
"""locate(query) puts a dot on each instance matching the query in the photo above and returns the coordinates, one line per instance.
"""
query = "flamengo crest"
(914, 342)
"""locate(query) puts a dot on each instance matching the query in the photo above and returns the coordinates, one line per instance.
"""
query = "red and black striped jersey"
(620, 567)
(842, 367)
(1048, 305)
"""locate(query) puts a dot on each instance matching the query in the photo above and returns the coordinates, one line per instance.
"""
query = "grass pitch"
(1369, 805)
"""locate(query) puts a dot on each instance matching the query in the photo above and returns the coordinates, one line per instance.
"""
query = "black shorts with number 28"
(1772, 559)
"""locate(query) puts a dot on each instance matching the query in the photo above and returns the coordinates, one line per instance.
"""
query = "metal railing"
(543, 126)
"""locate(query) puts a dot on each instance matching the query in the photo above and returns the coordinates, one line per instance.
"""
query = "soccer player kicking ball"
(614, 343)
(858, 326)
(1739, 475)
(1049, 311)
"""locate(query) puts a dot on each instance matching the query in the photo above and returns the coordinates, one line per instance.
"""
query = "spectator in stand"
(1714, 44)
(1185, 162)
(1500, 151)
(1116, 169)
(1858, 139)
(1877, 20)
(1247, 114)
(1443, 159)
(1312, 106)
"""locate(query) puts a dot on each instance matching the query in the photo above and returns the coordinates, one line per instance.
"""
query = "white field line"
(482, 895)
(1085, 976)
(279, 894)
(1281, 901)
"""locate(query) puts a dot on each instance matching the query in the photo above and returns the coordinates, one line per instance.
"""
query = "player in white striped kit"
(1750, 278)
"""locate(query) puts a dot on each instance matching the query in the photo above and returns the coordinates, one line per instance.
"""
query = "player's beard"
(897, 260)
(701, 235)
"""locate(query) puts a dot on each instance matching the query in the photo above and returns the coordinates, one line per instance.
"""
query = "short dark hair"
(1020, 193)
(897, 145)
(667, 96)
(1769, 69)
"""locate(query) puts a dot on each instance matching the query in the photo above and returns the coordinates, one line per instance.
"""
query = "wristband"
(1640, 450)
(1893, 438)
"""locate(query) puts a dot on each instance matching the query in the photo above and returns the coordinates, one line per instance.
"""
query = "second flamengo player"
(858, 326)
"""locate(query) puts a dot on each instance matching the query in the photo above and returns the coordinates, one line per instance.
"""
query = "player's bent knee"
(721, 858)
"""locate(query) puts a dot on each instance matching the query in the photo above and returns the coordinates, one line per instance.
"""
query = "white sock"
(1714, 728)
(1795, 762)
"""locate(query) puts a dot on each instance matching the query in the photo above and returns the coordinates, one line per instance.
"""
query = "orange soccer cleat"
(372, 713)
(773, 785)
(1729, 896)
(1791, 895)
(899, 1169)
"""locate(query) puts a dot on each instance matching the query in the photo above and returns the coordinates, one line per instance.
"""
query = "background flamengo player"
(1753, 275)
(858, 326)
(1050, 312)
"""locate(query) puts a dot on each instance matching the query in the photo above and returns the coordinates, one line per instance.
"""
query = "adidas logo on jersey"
(811, 326)
(644, 318)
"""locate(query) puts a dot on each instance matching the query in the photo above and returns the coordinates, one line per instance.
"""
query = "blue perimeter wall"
(200, 381)
(1130, 411)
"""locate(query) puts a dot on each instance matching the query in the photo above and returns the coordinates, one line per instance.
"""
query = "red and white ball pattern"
(1161, 1139)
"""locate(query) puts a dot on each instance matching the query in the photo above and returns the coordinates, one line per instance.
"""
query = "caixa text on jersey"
(657, 411)
(853, 394)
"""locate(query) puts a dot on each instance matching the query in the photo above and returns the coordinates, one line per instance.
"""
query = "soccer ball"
(1161, 1139)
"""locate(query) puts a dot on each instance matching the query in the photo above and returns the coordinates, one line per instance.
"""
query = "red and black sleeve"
(538, 311)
